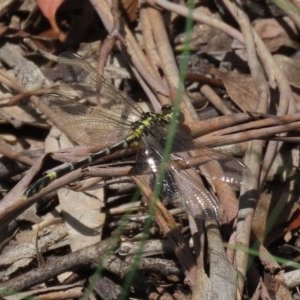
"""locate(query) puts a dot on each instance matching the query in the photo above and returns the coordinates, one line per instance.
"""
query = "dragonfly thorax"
(147, 122)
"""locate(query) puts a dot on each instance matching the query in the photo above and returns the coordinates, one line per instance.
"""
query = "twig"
(168, 62)
(215, 100)
(135, 52)
(170, 230)
(109, 42)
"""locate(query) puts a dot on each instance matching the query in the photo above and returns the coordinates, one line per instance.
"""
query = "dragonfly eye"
(167, 109)
(135, 125)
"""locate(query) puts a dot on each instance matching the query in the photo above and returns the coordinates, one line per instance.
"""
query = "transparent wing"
(182, 184)
(96, 88)
(84, 123)
(184, 168)
(228, 169)
(198, 200)
(191, 154)
(90, 110)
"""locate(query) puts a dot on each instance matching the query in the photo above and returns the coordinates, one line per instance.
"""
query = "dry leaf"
(240, 88)
(274, 32)
(49, 9)
(131, 9)
(290, 68)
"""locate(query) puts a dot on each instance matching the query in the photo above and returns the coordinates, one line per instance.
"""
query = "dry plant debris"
(89, 234)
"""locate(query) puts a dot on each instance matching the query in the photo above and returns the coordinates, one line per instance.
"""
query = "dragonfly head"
(168, 112)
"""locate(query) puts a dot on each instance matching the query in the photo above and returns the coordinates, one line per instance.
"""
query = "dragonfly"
(120, 120)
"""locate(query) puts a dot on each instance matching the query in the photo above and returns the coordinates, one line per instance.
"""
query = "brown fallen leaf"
(131, 9)
(290, 68)
(240, 88)
(49, 9)
(277, 32)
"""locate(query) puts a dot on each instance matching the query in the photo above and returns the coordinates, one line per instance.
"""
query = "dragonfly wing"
(198, 200)
(88, 108)
(97, 88)
(84, 123)
(223, 166)
(194, 196)
(228, 169)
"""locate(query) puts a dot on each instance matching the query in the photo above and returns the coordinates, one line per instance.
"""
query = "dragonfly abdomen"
(51, 176)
